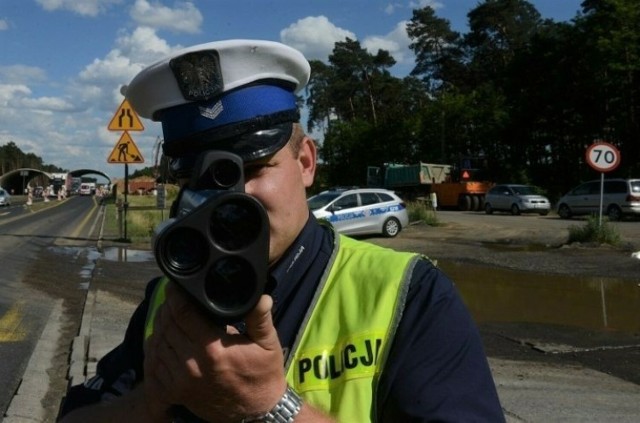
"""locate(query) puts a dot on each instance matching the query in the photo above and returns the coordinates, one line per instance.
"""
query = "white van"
(85, 189)
(621, 198)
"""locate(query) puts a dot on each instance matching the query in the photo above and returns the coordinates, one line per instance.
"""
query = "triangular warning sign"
(125, 119)
(125, 151)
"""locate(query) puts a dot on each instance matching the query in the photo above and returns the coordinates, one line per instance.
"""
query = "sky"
(62, 62)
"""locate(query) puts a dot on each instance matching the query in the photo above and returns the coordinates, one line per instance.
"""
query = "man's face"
(279, 181)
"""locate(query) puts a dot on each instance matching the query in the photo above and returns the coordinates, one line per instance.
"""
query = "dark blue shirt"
(436, 371)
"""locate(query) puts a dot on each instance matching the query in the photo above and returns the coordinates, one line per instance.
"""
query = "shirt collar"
(296, 260)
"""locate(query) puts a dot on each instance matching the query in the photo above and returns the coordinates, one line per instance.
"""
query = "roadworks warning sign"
(125, 119)
(125, 151)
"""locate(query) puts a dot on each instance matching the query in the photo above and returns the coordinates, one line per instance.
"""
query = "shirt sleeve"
(437, 369)
(120, 370)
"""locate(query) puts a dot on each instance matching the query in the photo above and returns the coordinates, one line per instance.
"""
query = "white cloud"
(143, 46)
(99, 82)
(25, 144)
(391, 8)
(314, 36)
(4, 24)
(75, 122)
(21, 74)
(395, 42)
(41, 134)
(185, 17)
(97, 90)
(420, 4)
(114, 66)
(81, 7)
(9, 91)
(43, 104)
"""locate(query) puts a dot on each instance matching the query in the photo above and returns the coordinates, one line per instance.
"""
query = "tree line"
(13, 158)
(525, 94)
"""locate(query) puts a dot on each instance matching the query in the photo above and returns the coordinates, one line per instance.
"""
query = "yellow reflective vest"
(340, 350)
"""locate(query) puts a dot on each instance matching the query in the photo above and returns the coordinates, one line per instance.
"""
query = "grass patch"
(592, 231)
(420, 212)
(141, 219)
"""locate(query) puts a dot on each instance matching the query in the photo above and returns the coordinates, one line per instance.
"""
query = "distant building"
(139, 186)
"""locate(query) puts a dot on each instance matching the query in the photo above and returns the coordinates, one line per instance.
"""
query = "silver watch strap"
(284, 411)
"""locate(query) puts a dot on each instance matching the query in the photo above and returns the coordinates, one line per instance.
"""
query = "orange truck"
(461, 190)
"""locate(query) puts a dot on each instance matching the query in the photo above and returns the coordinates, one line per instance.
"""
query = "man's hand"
(217, 373)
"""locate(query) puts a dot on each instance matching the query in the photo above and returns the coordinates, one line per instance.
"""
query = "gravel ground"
(541, 248)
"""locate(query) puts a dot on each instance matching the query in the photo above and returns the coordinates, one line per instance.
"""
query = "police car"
(361, 211)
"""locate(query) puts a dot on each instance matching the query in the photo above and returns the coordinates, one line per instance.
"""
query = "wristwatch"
(283, 412)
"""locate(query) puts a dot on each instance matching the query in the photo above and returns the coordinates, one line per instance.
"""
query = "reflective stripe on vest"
(157, 298)
(337, 360)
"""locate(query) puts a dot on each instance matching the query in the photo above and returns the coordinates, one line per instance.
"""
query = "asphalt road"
(44, 255)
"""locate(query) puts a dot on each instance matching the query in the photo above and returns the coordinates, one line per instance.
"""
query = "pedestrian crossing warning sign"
(125, 119)
(125, 151)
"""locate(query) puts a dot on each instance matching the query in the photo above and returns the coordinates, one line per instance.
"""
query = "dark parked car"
(516, 198)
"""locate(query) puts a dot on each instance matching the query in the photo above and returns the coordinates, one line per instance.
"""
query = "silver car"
(361, 211)
(620, 197)
(516, 199)
(5, 198)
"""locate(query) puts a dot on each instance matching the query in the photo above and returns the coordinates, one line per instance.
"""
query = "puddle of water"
(88, 254)
(495, 246)
(67, 251)
(123, 254)
(501, 296)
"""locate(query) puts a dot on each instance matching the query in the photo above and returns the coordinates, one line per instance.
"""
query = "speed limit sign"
(603, 156)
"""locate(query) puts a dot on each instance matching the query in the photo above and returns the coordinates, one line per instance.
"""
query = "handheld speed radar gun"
(216, 244)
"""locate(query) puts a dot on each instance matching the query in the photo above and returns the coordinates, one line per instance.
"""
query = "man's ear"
(307, 160)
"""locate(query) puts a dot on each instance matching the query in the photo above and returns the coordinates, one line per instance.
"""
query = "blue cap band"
(230, 108)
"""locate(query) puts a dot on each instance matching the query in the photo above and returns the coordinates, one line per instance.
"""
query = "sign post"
(602, 157)
(161, 199)
(125, 151)
(24, 174)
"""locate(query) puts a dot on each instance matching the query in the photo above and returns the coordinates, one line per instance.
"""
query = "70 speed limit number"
(603, 157)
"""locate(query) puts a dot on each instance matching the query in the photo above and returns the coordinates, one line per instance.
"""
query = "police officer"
(346, 330)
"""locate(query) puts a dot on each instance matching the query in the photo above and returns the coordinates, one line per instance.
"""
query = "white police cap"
(240, 62)
(234, 95)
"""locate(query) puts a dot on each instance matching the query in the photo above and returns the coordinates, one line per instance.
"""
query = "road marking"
(28, 404)
(84, 222)
(11, 327)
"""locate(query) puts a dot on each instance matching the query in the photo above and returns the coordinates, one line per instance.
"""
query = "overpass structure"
(17, 180)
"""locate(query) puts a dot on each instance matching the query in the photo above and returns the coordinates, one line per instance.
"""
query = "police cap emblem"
(198, 74)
